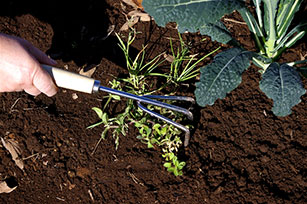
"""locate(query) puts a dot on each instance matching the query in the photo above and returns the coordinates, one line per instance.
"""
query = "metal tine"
(152, 113)
(147, 99)
(173, 98)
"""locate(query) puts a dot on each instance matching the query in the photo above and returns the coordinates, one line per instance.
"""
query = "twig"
(61, 199)
(29, 157)
(96, 146)
(170, 38)
(101, 138)
(14, 104)
(91, 195)
(27, 109)
(135, 179)
(234, 21)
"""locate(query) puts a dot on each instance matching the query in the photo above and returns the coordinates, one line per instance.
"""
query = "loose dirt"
(239, 151)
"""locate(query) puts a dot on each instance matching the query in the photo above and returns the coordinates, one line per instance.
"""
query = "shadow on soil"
(79, 29)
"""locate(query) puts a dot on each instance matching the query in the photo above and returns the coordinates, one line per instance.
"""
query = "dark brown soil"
(239, 152)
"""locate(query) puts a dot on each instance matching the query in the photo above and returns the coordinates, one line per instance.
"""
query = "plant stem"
(297, 62)
(270, 43)
(260, 64)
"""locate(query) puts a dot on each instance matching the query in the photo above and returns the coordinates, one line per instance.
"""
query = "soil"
(239, 151)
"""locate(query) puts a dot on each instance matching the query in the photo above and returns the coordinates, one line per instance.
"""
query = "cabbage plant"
(273, 33)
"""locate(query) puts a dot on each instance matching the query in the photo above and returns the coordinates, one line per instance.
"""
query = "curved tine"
(144, 99)
(152, 113)
(175, 98)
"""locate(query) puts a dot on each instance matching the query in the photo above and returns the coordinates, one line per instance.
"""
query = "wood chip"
(138, 3)
(91, 195)
(82, 172)
(88, 70)
(136, 16)
(134, 3)
(74, 96)
(109, 32)
(129, 24)
(168, 57)
(4, 188)
(142, 15)
(12, 146)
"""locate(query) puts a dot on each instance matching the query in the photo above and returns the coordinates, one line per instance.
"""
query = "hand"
(20, 67)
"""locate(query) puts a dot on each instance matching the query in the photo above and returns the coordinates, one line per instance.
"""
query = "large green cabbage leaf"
(283, 84)
(222, 76)
(194, 15)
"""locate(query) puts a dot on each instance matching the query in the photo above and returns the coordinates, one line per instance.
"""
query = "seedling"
(183, 67)
(173, 164)
(280, 82)
(117, 124)
(138, 70)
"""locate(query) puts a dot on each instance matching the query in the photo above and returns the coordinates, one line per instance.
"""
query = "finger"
(43, 82)
(39, 55)
(32, 91)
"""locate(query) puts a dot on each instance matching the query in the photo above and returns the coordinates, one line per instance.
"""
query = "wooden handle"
(70, 80)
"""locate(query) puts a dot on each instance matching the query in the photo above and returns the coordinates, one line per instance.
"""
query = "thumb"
(43, 82)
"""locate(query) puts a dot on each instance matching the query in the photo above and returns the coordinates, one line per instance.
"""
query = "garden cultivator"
(77, 82)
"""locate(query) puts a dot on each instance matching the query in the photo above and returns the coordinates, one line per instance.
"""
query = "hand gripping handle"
(69, 80)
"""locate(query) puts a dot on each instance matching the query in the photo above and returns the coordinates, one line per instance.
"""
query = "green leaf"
(164, 130)
(222, 75)
(171, 155)
(175, 171)
(217, 31)
(194, 15)
(167, 164)
(155, 141)
(171, 169)
(253, 27)
(94, 125)
(286, 11)
(149, 145)
(98, 112)
(141, 131)
(283, 84)
(104, 132)
(148, 130)
(105, 118)
(270, 9)
(139, 137)
(138, 124)
(115, 97)
(156, 127)
(293, 36)
(257, 4)
(251, 22)
(181, 165)
(175, 162)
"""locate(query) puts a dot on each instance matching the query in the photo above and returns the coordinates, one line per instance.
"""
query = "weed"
(152, 132)
(182, 67)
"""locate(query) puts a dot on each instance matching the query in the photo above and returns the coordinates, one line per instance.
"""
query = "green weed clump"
(152, 132)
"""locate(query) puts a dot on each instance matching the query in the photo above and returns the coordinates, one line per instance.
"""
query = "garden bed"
(239, 152)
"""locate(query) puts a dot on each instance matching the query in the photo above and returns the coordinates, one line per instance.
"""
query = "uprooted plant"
(152, 132)
(280, 82)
